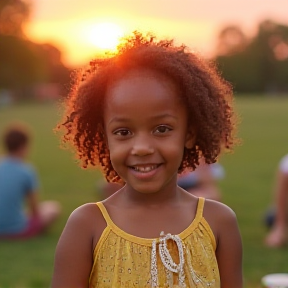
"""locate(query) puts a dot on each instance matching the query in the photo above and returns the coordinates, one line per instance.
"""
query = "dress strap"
(105, 213)
(200, 208)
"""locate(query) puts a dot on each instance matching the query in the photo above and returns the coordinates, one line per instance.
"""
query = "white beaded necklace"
(167, 260)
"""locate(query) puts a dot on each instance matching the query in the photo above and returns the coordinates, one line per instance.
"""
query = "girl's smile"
(144, 169)
(145, 172)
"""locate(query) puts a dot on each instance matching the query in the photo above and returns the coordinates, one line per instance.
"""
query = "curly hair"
(207, 96)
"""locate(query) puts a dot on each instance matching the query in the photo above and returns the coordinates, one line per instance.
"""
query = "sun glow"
(105, 36)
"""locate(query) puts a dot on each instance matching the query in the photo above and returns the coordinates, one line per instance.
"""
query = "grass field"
(247, 188)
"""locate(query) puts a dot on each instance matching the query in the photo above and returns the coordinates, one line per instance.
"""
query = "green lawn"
(247, 188)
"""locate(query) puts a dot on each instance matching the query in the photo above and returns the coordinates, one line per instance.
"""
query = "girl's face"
(146, 130)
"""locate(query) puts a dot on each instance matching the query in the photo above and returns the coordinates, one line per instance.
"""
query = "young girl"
(144, 115)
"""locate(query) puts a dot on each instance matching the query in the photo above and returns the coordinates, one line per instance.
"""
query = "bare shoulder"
(217, 209)
(85, 212)
(74, 251)
(219, 216)
(88, 219)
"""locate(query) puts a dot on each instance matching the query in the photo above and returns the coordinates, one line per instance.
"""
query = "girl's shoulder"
(219, 216)
(89, 219)
(217, 209)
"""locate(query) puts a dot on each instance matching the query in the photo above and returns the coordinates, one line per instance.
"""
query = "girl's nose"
(142, 146)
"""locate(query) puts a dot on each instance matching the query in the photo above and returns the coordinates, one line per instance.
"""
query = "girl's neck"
(170, 194)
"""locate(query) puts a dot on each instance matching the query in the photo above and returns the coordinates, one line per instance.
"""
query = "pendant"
(167, 260)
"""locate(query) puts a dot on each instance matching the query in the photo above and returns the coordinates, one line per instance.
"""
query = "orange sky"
(69, 23)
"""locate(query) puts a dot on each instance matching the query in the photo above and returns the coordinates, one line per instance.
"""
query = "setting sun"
(105, 35)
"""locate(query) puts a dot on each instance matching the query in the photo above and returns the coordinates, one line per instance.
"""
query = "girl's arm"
(74, 252)
(229, 245)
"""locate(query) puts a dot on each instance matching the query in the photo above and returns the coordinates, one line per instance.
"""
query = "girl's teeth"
(145, 169)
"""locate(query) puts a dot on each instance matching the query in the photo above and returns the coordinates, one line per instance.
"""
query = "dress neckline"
(148, 241)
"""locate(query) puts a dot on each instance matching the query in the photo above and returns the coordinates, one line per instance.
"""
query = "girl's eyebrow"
(156, 117)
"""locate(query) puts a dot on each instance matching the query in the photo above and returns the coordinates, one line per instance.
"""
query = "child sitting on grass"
(19, 185)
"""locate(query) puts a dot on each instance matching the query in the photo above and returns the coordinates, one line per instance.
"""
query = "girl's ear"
(190, 139)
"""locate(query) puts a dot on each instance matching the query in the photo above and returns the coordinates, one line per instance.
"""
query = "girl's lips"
(144, 171)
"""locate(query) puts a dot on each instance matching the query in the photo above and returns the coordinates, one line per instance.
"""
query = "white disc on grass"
(277, 280)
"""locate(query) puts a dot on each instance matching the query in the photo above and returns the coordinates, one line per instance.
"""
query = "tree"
(13, 15)
(24, 63)
(231, 40)
(259, 64)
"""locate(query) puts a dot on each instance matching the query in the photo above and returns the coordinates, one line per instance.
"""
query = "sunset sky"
(73, 25)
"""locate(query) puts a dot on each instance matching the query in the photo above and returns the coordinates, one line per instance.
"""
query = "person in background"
(22, 216)
(203, 182)
(278, 235)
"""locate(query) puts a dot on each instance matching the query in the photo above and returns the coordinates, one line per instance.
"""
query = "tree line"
(23, 63)
(256, 64)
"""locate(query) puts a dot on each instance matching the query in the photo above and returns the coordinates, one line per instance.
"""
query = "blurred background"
(42, 41)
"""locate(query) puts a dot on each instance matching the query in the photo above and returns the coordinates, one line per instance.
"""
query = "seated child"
(19, 185)
(277, 218)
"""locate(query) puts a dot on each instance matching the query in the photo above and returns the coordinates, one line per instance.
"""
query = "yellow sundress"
(122, 260)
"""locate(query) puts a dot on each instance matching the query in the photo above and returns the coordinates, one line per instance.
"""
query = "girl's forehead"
(144, 94)
(142, 83)
(142, 73)
(143, 91)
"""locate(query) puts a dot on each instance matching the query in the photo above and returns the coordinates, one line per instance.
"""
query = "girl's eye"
(162, 129)
(122, 132)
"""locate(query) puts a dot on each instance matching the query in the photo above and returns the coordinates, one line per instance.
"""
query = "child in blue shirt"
(19, 185)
